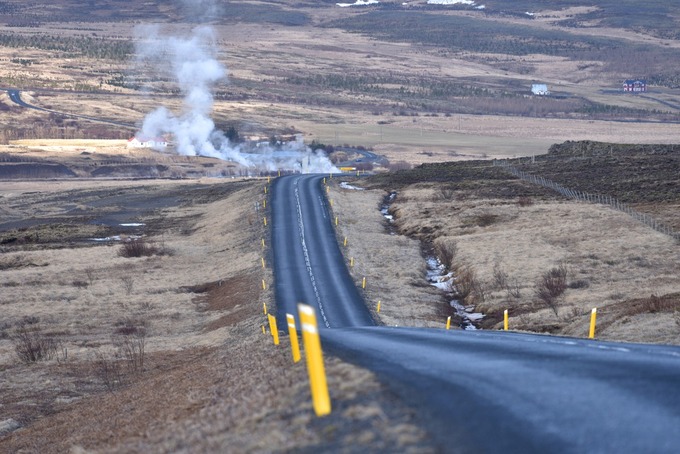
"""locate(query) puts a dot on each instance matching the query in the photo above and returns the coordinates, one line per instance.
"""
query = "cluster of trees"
(86, 46)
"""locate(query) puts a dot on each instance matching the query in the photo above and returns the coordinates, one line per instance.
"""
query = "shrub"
(137, 248)
(485, 219)
(32, 345)
(466, 287)
(581, 283)
(551, 286)
(525, 201)
(446, 252)
(500, 277)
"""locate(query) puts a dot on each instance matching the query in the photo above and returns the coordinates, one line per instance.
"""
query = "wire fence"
(590, 198)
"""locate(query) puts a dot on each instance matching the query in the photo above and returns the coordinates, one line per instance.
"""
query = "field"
(406, 96)
(175, 334)
(505, 240)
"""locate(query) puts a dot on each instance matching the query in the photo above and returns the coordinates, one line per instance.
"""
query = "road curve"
(508, 392)
(479, 391)
(308, 265)
(15, 97)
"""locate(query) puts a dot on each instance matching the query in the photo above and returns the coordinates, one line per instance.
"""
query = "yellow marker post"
(262, 243)
(593, 318)
(272, 327)
(330, 176)
(377, 309)
(264, 331)
(264, 308)
(265, 189)
(262, 262)
(351, 262)
(324, 180)
(336, 220)
(344, 243)
(292, 333)
(328, 189)
(269, 179)
(505, 320)
(317, 375)
(279, 173)
(265, 221)
(448, 322)
(264, 285)
(264, 203)
(363, 282)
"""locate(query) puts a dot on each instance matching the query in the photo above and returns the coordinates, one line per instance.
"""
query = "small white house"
(145, 142)
(540, 89)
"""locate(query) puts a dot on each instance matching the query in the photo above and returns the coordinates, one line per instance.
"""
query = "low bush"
(137, 248)
(446, 252)
(552, 284)
(32, 345)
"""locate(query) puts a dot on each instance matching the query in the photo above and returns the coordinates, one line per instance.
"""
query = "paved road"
(308, 264)
(478, 391)
(15, 97)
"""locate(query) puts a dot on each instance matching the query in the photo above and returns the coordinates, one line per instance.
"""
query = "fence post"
(317, 374)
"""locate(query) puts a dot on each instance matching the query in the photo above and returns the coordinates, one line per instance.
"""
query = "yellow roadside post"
(505, 320)
(363, 283)
(265, 221)
(336, 220)
(377, 309)
(264, 331)
(292, 333)
(264, 203)
(279, 173)
(317, 375)
(448, 322)
(265, 189)
(344, 243)
(269, 179)
(262, 243)
(351, 262)
(264, 285)
(593, 318)
(272, 327)
(262, 262)
(264, 308)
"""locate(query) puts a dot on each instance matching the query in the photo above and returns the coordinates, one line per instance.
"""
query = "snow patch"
(451, 2)
(346, 185)
(358, 3)
(132, 224)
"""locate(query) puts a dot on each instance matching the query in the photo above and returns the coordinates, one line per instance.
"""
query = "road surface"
(478, 391)
(15, 97)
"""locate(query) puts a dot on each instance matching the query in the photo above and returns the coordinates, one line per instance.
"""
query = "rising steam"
(191, 62)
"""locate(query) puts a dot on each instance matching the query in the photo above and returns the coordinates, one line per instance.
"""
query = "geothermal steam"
(191, 62)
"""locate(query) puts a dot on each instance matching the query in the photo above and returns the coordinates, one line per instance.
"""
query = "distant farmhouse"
(540, 89)
(635, 86)
(145, 142)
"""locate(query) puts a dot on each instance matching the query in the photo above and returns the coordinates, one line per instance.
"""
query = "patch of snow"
(530, 14)
(132, 224)
(358, 3)
(480, 7)
(115, 238)
(345, 185)
(8, 425)
(451, 2)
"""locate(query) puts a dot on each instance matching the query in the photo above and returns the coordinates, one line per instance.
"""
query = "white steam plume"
(191, 62)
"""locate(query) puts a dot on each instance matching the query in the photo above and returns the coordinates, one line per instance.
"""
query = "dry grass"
(393, 265)
(603, 259)
(177, 360)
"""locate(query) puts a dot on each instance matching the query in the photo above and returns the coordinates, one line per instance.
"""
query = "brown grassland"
(208, 380)
(104, 352)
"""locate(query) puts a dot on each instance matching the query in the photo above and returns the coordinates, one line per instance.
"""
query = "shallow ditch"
(436, 273)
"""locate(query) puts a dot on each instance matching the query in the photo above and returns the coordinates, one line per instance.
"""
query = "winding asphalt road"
(15, 97)
(478, 391)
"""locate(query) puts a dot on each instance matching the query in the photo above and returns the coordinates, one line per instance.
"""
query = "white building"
(540, 89)
(145, 142)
